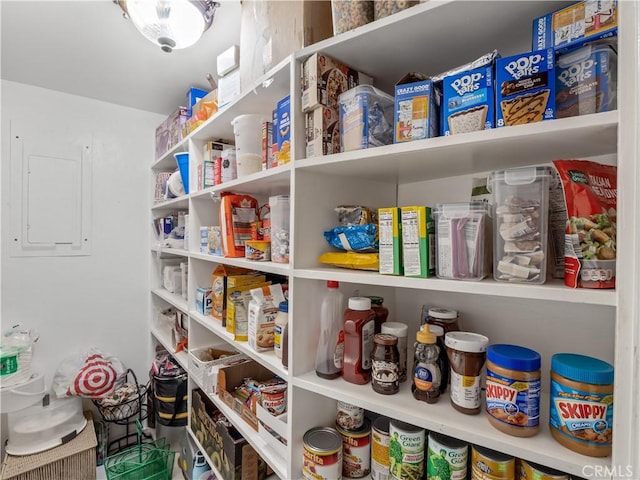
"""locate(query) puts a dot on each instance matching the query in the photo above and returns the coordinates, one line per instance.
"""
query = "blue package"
(356, 238)
(416, 108)
(586, 81)
(525, 88)
(467, 101)
(576, 24)
(193, 95)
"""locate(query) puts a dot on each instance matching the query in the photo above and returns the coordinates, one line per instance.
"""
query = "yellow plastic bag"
(354, 260)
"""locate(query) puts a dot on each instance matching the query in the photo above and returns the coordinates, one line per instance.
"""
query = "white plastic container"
(330, 353)
(366, 118)
(279, 211)
(462, 240)
(23, 395)
(247, 130)
(520, 218)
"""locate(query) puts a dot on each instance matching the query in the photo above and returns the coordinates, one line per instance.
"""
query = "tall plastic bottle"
(426, 371)
(359, 328)
(329, 356)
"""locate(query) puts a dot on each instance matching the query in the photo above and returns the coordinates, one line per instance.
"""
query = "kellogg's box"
(468, 101)
(525, 88)
(284, 130)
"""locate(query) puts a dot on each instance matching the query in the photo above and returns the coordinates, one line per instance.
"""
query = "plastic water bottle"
(329, 356)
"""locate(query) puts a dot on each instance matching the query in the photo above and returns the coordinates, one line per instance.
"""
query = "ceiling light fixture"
(170, 24)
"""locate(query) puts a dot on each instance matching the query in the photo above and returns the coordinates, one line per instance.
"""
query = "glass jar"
(447, 319)
(381, 312)
(385, 360)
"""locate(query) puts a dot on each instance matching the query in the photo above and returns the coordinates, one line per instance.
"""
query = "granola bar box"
(525, 88)
(468, 101)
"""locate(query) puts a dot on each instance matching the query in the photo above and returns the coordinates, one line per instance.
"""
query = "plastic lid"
(518, 176)
(376, 300)
(581, 368)
(359, 303)
(514, 357)
(395, 328)
(443, 313)
(385, 339)
(332, 284)
(437, 330)
(424, 335)
(466, 341)
(283, 307)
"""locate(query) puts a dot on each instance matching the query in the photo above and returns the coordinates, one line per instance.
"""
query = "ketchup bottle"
(359, 326)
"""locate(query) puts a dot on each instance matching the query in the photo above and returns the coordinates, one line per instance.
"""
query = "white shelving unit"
(432, 37)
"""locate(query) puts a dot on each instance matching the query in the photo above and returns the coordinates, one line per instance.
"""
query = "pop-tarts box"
(284, 130)
(468, 101)
(525, 88)
(416, 108)
(576, 24)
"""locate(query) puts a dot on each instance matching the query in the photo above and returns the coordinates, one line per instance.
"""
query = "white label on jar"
(338, 353)
(368, 330)
(465, 390)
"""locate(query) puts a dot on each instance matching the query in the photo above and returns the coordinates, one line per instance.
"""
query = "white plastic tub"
(247, 130)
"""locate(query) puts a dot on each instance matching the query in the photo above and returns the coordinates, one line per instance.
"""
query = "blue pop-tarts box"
(193, 95)
(468, 102)
(525, 88)
(576, 24)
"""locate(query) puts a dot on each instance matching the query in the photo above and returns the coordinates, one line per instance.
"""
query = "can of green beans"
(406, 451)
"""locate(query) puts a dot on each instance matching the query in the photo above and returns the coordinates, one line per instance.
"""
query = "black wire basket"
(130, 406)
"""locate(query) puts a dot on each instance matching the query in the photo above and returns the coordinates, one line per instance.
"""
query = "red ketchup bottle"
(359, 326)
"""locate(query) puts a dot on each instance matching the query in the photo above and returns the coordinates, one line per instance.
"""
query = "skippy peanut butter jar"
(581, 410)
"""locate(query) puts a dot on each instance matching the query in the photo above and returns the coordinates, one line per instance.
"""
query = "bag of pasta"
(590, 194)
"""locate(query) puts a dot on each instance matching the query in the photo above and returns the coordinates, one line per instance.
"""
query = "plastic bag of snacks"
(384, 8)
(349, 14)
(353, 260)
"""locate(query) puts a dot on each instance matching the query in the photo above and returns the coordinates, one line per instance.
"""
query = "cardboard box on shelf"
(205, 362)
(390, 231)
(229, 88)
(270, 31)
(418, 242)
(322, 131)
(193, 96)
(467, 101)
(219, 288)
(417, 108)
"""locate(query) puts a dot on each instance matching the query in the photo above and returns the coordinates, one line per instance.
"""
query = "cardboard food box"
(238, 297)
(233, 376)
(417, 108)
(175, 122)
(203, 372)
(219, 289)
(467, 101)
(162, 139)
(390, 244)
(203, 298)
(267, 147)
(322, 125)
(525, 88)
(193, 96)
(576, 24)
(284, 130)
(324, 79)
(270, 31)
(418, 242)
(228, 450)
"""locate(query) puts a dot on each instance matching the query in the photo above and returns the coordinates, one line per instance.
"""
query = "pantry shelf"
(551, 291)
(273, 181)
(175, 300)
(475, 152)
(267, 267)
(441, 417)
(181, 357)
(177, 203)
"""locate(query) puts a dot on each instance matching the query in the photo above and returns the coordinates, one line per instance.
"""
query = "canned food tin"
(350, 417)
(488, 464)
(356, 451)
(446, 457)
(532, 471)
(257, 250)
(406, 450)
(322, 454)
(380, 449)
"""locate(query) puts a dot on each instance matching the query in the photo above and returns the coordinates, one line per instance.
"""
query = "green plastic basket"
(145, 461)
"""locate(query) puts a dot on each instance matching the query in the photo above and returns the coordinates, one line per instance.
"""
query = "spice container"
(349, 14)
(488, 464)
(400, 331)
(513, 389)
(406, 450)
(381, 312)
(380, 448)
(446, 457)
(384, 364)
(443, 361)
(322, 454)
(358, 340)
(446, 318)
(350, 417)
(581, 407)
(384, 8)
(467, 353)
(356, 451)
(426, 371)
(462, 240)
(521, 209)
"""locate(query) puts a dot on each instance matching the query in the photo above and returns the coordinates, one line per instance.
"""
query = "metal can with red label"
(356, 451)
(322, 454)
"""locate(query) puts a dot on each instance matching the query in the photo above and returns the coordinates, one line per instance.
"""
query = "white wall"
(99, 300)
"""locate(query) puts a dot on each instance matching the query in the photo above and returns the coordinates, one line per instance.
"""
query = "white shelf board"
(274, 181)
(266, 359)
(172, 204)
(443, 418)
(168, 161)
(474, 152)
(175, 300)
(551, 291)
(159, 249)
(267, 267)
(181, 357)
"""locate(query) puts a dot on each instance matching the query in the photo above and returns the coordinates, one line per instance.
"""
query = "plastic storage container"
(247, 130)
(462, 240)
(521, 210)
(384, 8)
(279, 208)
(366, 118)
(349, 14)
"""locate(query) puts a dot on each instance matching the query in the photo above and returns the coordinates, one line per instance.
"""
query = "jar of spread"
(382, 312)
(443, 361)
(385, 364)
(358, 340)
(447, 319)
(467, 353)
(399, 330)
(581, 410)
(513, 389)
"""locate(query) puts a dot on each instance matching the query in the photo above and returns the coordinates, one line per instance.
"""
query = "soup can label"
(446, 462)
(484, 467)
(379, 454)
(350, 417)
(406, 451)
(322, 457)
(356, 452)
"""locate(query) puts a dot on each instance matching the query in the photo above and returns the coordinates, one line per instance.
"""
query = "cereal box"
(284, 130)
(417, 108)
(322, 131)
(576, 24)
(324, 79)
(390, 244)
(219, 288)
(267, 148)
(525, 88)
(274, 139)
(418, 242)
(204, 300)
(467, 101)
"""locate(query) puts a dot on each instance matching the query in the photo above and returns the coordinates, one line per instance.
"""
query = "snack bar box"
(525, 88)
(416, 108)
(468, 101)
(576, 24)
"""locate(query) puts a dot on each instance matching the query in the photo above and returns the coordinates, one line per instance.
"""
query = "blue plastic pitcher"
(183, 165)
